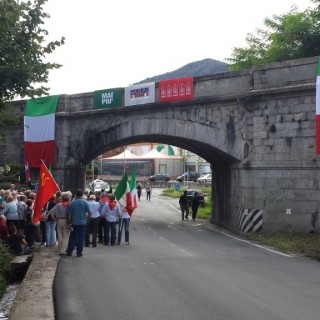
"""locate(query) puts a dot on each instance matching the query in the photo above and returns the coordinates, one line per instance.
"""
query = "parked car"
(97, 185)
(192, 176)
(159, 177)
(190, 195)
(205, 178)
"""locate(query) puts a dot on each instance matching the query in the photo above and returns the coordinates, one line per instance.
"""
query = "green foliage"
(11, 173)
(9, 116)
(5, 271)
(23, 49)
(289, 36)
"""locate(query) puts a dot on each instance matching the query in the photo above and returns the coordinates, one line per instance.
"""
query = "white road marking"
(173, 245)
(256, 245)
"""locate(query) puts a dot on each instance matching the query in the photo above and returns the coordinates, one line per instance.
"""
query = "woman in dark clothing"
(29, 228)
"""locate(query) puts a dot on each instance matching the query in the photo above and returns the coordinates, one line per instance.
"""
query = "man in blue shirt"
(78, 212)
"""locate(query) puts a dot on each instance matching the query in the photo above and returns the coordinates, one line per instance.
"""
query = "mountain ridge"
(199, 68)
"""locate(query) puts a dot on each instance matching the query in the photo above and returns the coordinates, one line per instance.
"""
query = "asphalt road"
(176, 269)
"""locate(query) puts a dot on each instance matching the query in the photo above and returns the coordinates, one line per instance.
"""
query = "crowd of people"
(69, 222)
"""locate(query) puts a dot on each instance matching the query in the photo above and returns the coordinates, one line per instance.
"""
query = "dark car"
(190, 195)
(159, 177)
(190, 176)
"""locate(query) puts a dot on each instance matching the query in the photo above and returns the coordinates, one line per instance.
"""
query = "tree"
(23, 50)
(289, 36)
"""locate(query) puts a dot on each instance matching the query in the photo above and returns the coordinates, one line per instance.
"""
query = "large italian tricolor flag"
(39, 131)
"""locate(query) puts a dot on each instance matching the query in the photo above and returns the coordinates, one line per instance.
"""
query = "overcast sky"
(113, 44)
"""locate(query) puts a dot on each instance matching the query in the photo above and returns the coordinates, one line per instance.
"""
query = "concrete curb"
(34, 299)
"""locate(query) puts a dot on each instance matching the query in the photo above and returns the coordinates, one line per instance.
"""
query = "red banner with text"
(176, 89)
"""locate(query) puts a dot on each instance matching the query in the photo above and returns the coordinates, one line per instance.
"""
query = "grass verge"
(304, 244)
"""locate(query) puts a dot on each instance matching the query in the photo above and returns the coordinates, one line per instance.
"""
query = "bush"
(5, 268)
(5, 185)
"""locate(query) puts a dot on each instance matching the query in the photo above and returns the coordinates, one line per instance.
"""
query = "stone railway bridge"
(256, 127)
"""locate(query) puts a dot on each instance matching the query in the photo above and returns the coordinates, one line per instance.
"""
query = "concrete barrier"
(34, 300)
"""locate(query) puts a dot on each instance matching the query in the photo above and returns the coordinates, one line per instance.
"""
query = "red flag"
(46, 189)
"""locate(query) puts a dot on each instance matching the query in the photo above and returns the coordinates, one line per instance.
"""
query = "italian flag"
(133, 190)
(39, 131)
(318, 110)
(124, 196)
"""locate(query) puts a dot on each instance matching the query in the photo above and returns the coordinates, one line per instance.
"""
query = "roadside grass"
(303, 244)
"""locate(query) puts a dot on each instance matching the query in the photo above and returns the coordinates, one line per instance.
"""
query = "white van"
(97, 185)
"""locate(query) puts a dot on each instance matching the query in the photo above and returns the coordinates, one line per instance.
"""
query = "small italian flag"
(318, 110)
(39, 131)
(124, 195)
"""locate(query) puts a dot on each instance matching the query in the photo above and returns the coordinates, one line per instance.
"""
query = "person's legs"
(48, 234)
(81, 230)
(113, 232)
(54, 232)
(187, 211)
(100, 229)
(95, 225)
(43, 231)
(121, 221)
(126, 229)
(182, 211)
(71, 242)
(63, 235)
(194, 212)
(51, 233)
(87, 235)
(106, 232)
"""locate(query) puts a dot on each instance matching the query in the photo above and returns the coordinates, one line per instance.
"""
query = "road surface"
(183, 270)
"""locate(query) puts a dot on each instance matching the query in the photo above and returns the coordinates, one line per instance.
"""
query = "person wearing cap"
(60, 213)
(93, 222)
